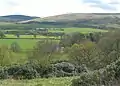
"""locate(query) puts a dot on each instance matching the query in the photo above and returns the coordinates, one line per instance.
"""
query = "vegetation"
(58, 56)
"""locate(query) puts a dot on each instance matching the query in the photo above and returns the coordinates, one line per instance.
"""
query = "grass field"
(27, 36)
(81, 30)
(29, 43)
(38, 82)
(69, 30)
(24, 43)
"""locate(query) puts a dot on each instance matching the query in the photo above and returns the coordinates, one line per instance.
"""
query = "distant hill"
(80, 20)
(15, 18)
(77, 16)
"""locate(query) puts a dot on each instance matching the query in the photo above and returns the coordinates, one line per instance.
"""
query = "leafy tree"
(35, 35)
(82, 53)
(110, 46)
(92, 37)
(15, 47)
(2, 35)
(5, 56)
(18, 35)
(70, 39)
(43, 51)
(107, 50)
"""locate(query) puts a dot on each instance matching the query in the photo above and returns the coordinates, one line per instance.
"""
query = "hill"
(15, 18)
(80, 20)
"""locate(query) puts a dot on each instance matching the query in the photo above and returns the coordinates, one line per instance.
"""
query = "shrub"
(22, 72)
(63, 69)
(105, 76)
(3, 74)
(87, 79)
(34, 69)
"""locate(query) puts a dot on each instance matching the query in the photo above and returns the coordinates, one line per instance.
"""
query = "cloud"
(115, 3)
(108, 5)
(104, 7)
(12, 3)
(91, 1)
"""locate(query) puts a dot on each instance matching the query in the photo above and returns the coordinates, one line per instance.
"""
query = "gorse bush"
(33, 70)
(95, 78)
(87, 79)
(3, 73)
(22, 72)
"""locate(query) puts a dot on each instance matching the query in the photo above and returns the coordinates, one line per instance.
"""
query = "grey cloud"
(104, 6)
(12, 3)
(115, 3)
(92, 1)
(100, 4)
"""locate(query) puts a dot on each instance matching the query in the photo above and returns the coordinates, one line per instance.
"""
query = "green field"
(24, 43)
(69, 30)
(81, 30)
(38, 82)
(29, 43)
(27, 36)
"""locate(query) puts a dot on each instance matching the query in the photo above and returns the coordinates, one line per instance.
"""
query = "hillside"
(77, 16)
(15, 18)
(80, 20)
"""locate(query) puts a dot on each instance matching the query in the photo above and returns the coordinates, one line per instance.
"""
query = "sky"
(44, 8)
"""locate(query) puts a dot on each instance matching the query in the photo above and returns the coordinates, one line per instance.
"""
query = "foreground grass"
(39, 82)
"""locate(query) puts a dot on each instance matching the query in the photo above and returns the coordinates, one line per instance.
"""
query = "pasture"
(81, 30)
(24, 43)
(27, 36)
(29, 41)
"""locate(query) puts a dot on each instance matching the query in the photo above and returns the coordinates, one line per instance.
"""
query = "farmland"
(24, 43)
(28, 41)
(28, 36)
(81, 30)
(61, 53)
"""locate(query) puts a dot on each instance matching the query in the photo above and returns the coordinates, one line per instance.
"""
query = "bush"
(63, 69)
(3, 74)
(33, 70)
(87, 79)
(106, 76)
(22, 72)
(116, 68)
